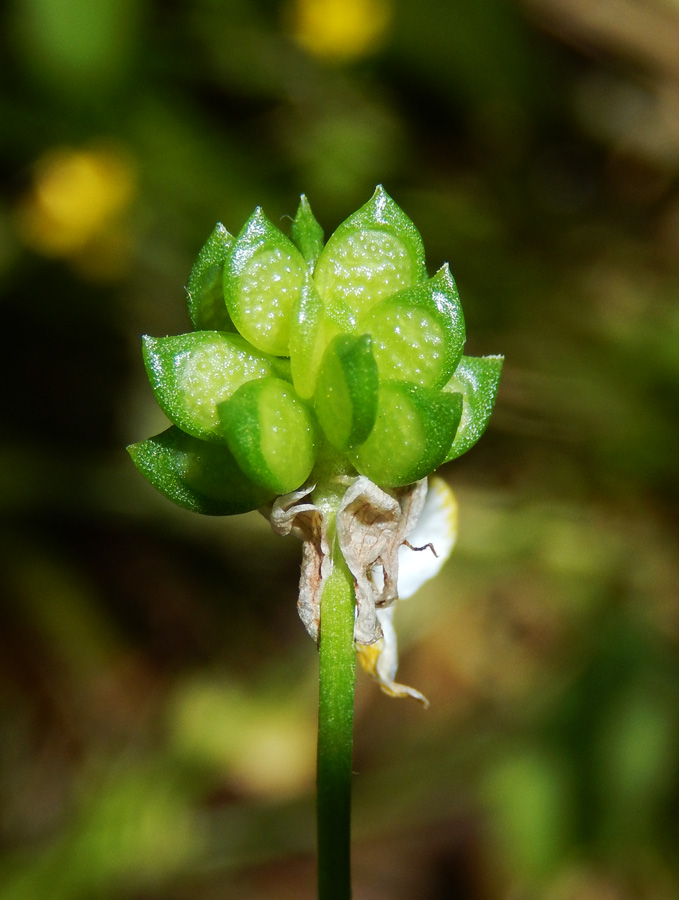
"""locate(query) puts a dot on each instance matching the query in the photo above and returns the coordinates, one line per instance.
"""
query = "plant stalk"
(335, 732)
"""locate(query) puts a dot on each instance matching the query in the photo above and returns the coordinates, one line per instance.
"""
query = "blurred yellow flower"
(74, 205)
(340, 30)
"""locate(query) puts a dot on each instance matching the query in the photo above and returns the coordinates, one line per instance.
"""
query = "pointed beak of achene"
(421, 557)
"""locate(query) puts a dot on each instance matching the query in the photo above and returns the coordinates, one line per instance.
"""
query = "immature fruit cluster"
(300, 351)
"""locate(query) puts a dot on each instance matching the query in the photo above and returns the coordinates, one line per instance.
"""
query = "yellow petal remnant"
(340, 30)
(380, 660)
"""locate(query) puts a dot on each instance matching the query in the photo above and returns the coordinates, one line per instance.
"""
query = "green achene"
(347, 390)
(271, 432)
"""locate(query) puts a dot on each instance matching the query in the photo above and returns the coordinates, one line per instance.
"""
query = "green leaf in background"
(414, 429)
(528, 794)
(307, 233)
(271, 432)
(263, 275)
(77, 48)
(346, 394)
(191, 373)
(197, 475)
(374, 253)
(418, 334)
(205, 290)
(477, 379)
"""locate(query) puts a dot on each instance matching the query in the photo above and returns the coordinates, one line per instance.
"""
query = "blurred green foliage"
(157, 693)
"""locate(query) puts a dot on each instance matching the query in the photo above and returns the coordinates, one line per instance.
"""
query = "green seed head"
(302, 351)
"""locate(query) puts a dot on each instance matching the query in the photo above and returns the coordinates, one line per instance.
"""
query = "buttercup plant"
(322, 385)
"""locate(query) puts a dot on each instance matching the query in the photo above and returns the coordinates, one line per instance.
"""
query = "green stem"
(335, 733)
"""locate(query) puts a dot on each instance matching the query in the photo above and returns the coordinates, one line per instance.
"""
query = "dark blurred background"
(157, 692)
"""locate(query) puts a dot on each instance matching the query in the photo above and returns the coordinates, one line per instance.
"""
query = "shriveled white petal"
(380, 660)
(429, 543)
(371, 526)
(286, 513)
(435, 530)
(392, 540)
(306, 522)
